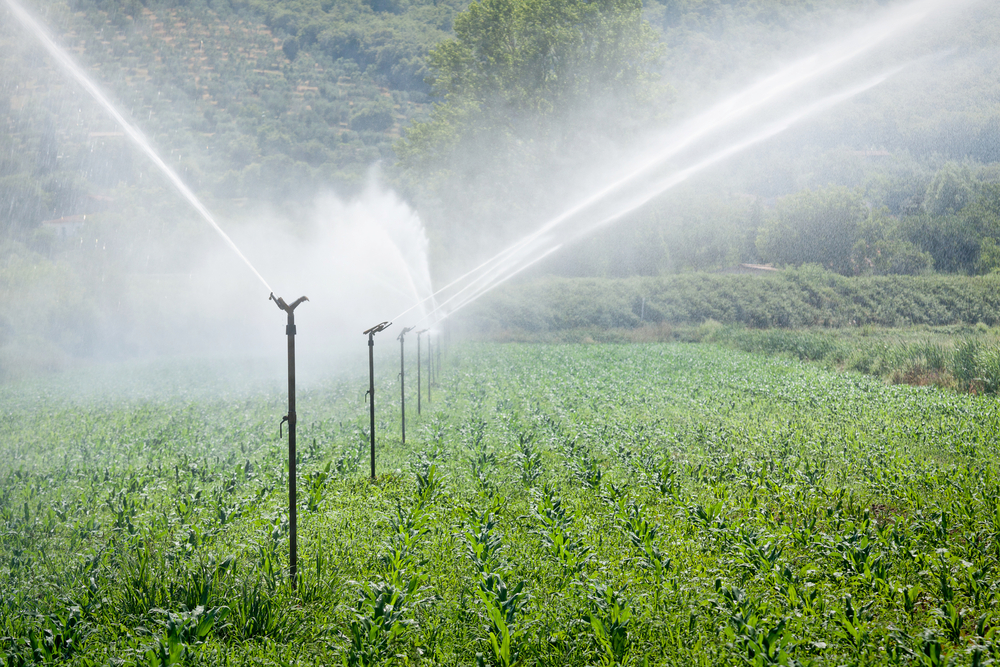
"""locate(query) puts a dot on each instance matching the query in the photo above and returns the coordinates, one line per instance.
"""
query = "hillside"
(272, 101)
(236, 107)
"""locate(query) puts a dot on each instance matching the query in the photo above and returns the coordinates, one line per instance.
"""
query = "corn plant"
(503, 606)
(483, 544)
(556, 523)
(430, 479)
(760, 642)
(852, 624)
(401, 556)
(642, 533)
(529, 460)
(184, 631)
(663, 478)
(315, 486)
(610, 616)
(380, 618)
(585, 468)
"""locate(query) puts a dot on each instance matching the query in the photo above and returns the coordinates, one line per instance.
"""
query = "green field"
(652, 504)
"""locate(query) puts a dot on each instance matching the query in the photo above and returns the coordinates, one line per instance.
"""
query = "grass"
(961, 357)
(592, 504)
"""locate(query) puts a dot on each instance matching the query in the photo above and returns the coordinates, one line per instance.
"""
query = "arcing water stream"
(133, 132)
(642, 183)
(542, 246)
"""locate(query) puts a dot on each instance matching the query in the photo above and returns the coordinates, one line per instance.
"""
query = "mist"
(571, 191)
(358, 260)
(816, 98)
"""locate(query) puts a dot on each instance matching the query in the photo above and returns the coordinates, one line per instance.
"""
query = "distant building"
(66, 226)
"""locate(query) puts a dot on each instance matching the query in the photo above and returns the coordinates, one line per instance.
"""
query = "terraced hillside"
(238, 108)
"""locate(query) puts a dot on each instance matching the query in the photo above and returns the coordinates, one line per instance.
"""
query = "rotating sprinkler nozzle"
(402, 383)
(371, 380)
(290, 418)
(284, 306)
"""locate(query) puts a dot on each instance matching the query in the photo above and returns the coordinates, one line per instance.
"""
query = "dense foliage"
(676, 504)
(527, 88)
(795, 298)
(222, 92)
(959, 358)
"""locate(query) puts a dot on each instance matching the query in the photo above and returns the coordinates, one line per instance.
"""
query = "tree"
(960, 242)
(530, 60)
(814, 227)
(526, 86)
(951, 189)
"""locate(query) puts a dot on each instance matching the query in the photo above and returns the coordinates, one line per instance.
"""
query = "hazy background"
(276, 112)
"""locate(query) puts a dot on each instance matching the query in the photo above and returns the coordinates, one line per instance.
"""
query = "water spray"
(371, 380)
(513, 263)
(402, 383)
(133, 132)
(736, 108)
(419, 389)
(290, 418)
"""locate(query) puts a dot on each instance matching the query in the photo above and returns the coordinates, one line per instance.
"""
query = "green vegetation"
(520, 83)
(220, 89)
(592, 504)
(959, 358)
(854, 324)
(804, 297)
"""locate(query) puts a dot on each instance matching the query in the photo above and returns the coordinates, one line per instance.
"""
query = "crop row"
(676, 504)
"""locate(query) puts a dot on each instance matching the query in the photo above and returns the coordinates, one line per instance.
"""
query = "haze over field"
(861, 136)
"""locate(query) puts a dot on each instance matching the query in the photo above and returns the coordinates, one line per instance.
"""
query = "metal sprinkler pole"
(430, 358)
(290, 418)
(402, 384)
(371, 380)
(419, 390)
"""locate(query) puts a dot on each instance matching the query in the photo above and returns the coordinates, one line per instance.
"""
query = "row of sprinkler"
(291, 420)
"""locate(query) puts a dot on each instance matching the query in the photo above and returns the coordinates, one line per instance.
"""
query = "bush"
(804, 297)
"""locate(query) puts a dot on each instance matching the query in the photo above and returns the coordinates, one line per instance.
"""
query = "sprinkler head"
(378, 327)
(405, 331)
(278, 300)
(284, 306)
(422, 331)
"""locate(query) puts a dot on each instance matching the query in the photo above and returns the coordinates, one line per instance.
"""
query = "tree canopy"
(524, 85)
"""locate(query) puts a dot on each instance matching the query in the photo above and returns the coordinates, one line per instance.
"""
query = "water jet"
(133, 132)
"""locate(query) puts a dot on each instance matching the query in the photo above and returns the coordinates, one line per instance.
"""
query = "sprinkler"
(437, 367)
(419, 333)
(430, 376)
(402, 383)
(371, 379)
(290, 418)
